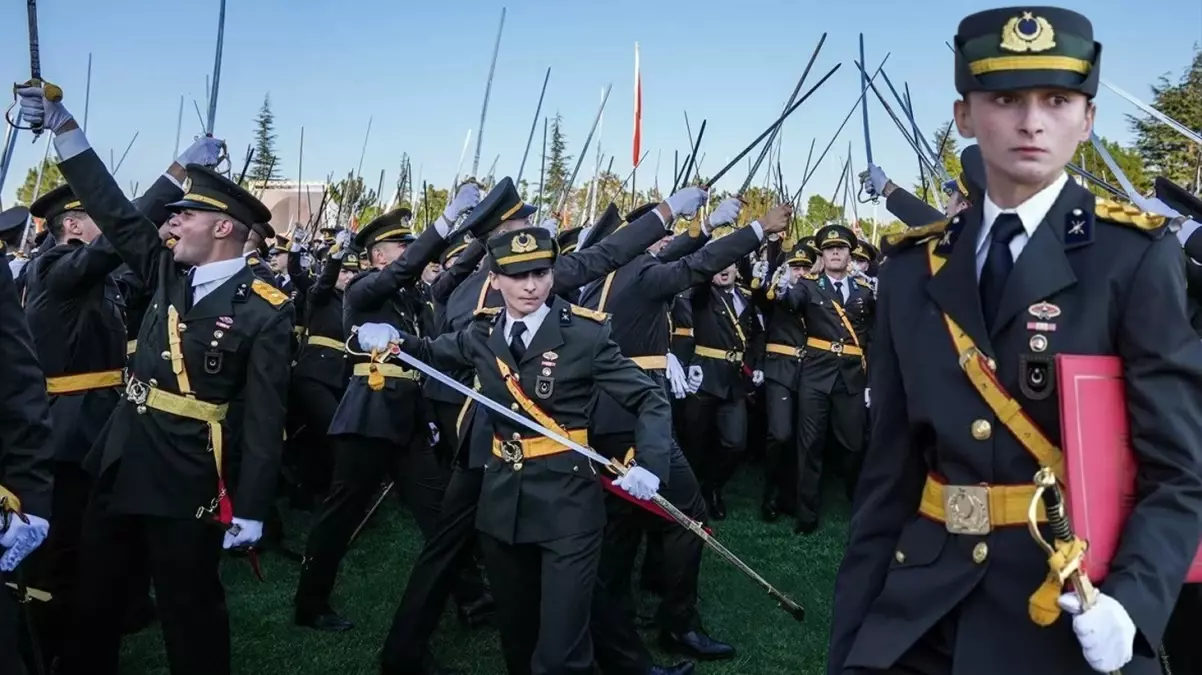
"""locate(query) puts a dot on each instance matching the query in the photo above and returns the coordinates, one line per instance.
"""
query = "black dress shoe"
(768, 511)
(326, 621)
(682, 668)
(479, 612)
(805, 526)
(719, 506)
(696, 644)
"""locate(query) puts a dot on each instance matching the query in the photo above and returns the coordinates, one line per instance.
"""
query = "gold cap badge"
(1028, 33)
(523, 243)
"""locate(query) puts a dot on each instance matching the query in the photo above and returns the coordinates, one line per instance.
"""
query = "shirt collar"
(532, 320)
(1030, 212)
(217, 271)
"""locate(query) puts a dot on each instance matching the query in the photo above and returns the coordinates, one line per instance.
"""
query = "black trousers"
(314, 404)
(446, 553)
(619, 648)
(1181, 635)
(360, 465)
(54, 565)
(182, 557)
(11, 630)
(544, 594)
(445, 417)
(715, 437)
(841, 414)
(782, 448)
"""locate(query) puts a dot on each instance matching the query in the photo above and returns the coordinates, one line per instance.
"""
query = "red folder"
(1100, 465)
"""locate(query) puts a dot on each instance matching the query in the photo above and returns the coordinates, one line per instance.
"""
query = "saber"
(567, 188)
(691, 525)
(689, 161)
(897, 121)
(459, 167)
(488, 90)
(1117, 172)
(1181, 128)
(533, 125)
(864, 104)
(216, 70)
(371, 512)
(905, 106)
(1095, 180)
(50, 91)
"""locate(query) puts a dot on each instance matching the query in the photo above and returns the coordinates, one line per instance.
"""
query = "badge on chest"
(544, 384)
(1037, 373)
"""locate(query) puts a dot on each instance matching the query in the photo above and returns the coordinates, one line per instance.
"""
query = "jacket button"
(982, 430)
(980, 552)
(166, 356)
(514, 406)
(899, 557)
(183, 327)
(517, 436)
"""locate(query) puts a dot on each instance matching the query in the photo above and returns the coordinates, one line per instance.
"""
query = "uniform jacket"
(911, 210)
(814, 299)
(314, 362)
(466, 263)
(559, 495)
(1121, 292)
(715, 325)
(235, 345)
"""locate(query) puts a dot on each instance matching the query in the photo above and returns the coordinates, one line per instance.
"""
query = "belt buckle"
(511, 452)
(966, 509)
(837, 347)
(799, 352)
(137, 391)
(733, 357)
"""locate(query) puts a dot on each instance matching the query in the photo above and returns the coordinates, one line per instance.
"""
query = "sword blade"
(567, 188)
(864, 104)
(35, 60)
(216, 70)
(1181, 128)
(533, 125)
(492, 68)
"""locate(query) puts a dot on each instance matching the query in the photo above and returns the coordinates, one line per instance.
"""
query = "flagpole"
(638, 130)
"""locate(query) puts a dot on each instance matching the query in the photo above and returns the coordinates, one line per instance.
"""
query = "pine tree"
(1165, 151)
(556, 163)
(266, 164)
(51, 178)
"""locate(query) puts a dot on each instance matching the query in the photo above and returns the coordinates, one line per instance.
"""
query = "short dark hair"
(55, 224)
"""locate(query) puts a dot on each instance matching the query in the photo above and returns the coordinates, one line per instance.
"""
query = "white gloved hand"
(874, 180)
(676, 379)
(21, 539)
(343, 238)
(242, 534)
(434, 435)
(296, 247)
(686, 202)
(205, 151)
(465, 199)
(41, 113)
(695, 376)
(867, 397)
(550, 224)
(757, 377)
(377, 337)
(306, 261)
(784, 281)
(639, 483)
(726, 213)
(1105, 631)
(15, 265)
(760, 271)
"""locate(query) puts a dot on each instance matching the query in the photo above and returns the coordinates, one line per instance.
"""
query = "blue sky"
(419, 69)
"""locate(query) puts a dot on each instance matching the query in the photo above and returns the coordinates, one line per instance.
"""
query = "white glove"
(343, 238)
(784, 281)
(550, 224)
(15, 265)
(306, 261)
(295, 247)
(1106, 632)
(867, 397)
(434, 435)
(242, 534)
(676, 379)
(726, 213)
(21, 539)
(874, 180)
(205, 151)
(639, 483)
(760, 271)
(687, 201)
(694, 382)
(465, 199)
(377, 337)
(41, 113)
(757, 377)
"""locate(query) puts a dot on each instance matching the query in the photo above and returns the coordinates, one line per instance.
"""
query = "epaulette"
(253, 261)
(863, 282)
(599, 317)
(915, 235)
(811, 277)
(746, 290)
(486, 312)
(1130, 215)
(270, 293)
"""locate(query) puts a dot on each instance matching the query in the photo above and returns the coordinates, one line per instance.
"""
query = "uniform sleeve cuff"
(70, 144)
(758, 229)
(442, 227)
(1187, 228)
(168, 176)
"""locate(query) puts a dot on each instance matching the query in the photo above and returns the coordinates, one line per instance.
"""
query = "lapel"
(955, 287)
(1042, 269)
(549, 336)
(220, 301)
(179, 294)
(497, 343)
(827, 288)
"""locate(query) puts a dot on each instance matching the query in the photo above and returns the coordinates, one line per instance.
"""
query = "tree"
(266, 165)
(350, 198)
(555, 164)
(1164, 150)
(429, 206)
(1128, 160)
(945, 138)
(819, 212)
(30, 190)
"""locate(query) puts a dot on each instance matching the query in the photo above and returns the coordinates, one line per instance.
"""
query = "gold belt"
(298, 330)
(720, 354)
(651, 362)
(683, 332)
(834, 347)
(148, 396)
(319, 341)
(386, 369)
(977, 509)
(518, 449)
(784, 350)
(131, 347)
(74, 384)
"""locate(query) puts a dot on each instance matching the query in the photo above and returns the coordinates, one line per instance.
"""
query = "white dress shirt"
(532, 321)
(844, 287)
(1030, 212)
(206, 278)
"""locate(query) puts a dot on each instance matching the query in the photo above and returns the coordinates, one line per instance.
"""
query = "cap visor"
(186, 204)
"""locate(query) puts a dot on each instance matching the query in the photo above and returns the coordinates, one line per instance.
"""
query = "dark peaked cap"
(207, 190)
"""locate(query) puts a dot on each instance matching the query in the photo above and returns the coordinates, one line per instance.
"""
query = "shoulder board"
(863, 282)
(253, 261)
(1129, 215)
(915, 235)
(745, 290)
(811, 277)
(270, 293)
(599, 317)
(486, 312)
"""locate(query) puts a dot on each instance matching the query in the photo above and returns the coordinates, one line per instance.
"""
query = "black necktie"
(998, 263)
(839, 291)
(190, 291)
(516, 346)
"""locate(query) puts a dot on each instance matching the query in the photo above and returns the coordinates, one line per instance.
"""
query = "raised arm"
(82, 267)
(322, 291)
(465, 264)
(373, 290)
(579, 268)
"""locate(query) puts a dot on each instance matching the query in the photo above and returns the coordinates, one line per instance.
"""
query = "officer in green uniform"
(542, 510)
(940, 574)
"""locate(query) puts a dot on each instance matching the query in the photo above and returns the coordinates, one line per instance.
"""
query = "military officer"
(12, 226)
(256, 251)
(542, 513)
(966, 392)
(165, 491)
(26, 464)
(961, 191)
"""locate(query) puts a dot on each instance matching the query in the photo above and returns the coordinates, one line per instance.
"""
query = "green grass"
(373, 576)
